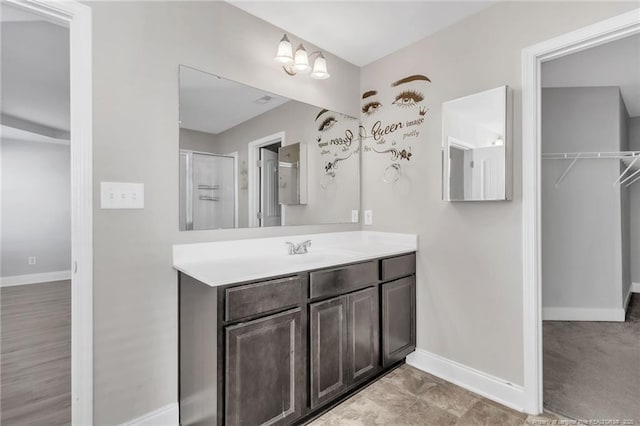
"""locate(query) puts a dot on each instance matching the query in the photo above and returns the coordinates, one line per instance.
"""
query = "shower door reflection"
(207, 191)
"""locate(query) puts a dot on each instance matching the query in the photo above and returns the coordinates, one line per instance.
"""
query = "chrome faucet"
(299, 248)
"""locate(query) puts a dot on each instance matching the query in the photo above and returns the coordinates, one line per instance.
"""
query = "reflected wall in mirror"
(249, 158)
(476, 147)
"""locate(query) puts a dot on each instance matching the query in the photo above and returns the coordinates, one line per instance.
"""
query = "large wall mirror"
(476, 147)
(249, 158)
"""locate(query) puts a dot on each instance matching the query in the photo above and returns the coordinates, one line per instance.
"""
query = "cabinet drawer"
(342, 280)
(396, 267)
(252, 299)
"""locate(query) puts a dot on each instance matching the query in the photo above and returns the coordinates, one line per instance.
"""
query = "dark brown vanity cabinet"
(278, 351)
(328, 334)
(264, 369)
(398, 319)
(344, 343)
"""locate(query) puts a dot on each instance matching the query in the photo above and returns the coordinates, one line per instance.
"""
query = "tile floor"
(408, 396)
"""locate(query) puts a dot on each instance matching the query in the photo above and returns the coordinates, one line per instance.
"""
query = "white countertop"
(227, 262)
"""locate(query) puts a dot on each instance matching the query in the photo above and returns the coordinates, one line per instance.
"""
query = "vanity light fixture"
(299, 63)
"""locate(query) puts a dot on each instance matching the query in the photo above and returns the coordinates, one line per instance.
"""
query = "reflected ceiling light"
(299, 63)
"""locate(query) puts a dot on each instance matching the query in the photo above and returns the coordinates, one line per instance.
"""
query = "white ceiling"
(612, 64)
(35, 69)
(361, 31)
(211, 104)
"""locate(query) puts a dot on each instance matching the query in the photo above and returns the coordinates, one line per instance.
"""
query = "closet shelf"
(631, 160)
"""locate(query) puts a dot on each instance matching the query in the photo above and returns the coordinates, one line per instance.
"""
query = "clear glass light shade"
(285, 51)
(320, 68)
(302, 61)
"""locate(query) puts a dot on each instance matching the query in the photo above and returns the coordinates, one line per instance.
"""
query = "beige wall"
(195, 140)
(470, 260)
(138, 47)
(582, 217)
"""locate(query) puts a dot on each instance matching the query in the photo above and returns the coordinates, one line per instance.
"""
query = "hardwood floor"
(35, 352)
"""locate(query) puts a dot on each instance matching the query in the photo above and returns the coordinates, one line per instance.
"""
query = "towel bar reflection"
(208, 198)
(210, 187)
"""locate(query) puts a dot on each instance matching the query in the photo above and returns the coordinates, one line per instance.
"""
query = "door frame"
(605, 31)
(236, 173)
(253, 175)
(77, 17)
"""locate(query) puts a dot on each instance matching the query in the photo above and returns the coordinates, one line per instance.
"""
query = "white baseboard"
(635, 287)
(583, 314)
(169, 415)
(627, 299)
(35, 278)
(469, 378)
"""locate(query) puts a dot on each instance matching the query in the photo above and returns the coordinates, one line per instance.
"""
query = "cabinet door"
(264, 377)
(398, 320)
(328, 324)
(363, 336)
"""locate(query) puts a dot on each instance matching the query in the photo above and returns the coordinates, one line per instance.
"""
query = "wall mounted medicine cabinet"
(476, 147)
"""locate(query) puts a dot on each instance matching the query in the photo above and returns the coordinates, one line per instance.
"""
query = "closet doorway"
(580, 157)
(590, 204)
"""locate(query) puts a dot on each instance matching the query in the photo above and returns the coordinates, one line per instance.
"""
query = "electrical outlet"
(32, 260)
(354, 216)
(368, 217)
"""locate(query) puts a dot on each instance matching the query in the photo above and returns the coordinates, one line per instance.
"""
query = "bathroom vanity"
(262, 347)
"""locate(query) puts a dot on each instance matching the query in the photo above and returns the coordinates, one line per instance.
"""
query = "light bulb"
(302, 60)
(320, 68)
(285, 51)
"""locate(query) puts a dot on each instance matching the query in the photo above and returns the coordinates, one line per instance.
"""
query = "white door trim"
(532, 57)
(77, 17)
(253, 175)
(236, 173)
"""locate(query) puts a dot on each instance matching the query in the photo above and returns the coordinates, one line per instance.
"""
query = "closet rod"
(634, 156)
(590, 155)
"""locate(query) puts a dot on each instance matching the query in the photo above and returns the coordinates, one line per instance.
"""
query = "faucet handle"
(304, 246)
(291, 247)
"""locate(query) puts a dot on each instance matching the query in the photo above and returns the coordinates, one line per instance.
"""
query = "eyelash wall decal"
(327, 124)
(408, 99)
(371, 107)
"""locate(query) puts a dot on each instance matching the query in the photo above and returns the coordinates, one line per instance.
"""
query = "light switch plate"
(121, 195)
(368, 217)
(354, 216)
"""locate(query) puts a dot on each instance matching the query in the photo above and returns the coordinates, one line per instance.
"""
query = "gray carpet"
(592, 369)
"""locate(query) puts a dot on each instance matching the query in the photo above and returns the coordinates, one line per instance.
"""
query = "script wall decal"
(336, 138)
(392, 117)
